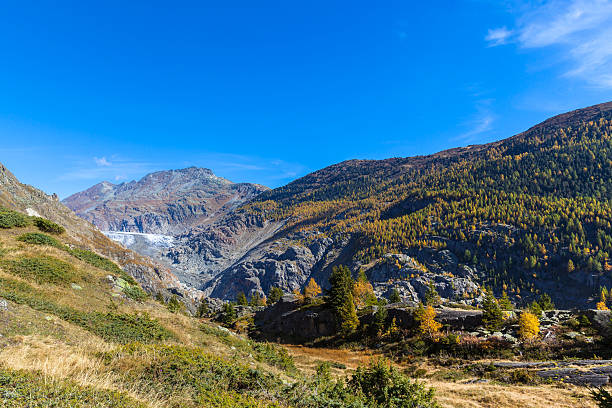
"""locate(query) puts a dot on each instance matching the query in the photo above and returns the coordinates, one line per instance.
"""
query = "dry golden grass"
(461, 395)
(60, 361)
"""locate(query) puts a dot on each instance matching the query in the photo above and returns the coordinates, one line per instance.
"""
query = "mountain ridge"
(490, 201)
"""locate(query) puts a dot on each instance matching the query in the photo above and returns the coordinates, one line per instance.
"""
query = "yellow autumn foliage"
(312, 290)
(529, 326)
(428, 325)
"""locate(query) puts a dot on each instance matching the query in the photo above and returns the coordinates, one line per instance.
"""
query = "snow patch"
(128, 239)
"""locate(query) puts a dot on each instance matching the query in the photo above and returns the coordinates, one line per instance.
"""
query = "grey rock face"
(412, 278)
(286, 321)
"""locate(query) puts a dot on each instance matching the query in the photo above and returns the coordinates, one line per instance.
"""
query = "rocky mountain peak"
(162, 202)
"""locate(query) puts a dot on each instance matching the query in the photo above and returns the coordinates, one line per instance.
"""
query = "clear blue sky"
(267, 91)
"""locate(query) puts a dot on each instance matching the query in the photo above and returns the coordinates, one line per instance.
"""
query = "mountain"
(82, 234)
(161, 210)
(526, 215)
(165, 202)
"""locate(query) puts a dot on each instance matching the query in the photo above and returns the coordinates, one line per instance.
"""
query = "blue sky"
(268, 91)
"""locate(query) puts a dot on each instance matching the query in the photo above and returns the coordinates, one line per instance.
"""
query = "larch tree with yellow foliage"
(529, 326)
(428, 326)
(363, 292)
(312, 290)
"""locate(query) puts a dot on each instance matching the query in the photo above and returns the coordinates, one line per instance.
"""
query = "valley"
(474, 277)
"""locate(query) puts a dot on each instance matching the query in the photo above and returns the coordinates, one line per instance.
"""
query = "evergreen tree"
(504, 302)
(492, 315)
(275, 295)
(229, 313)
(535, 309)
(203, 309)
(241, 299)
(341, 298)
(380, 320)
(432, 298)
(546, 302)
(257, 300)
(395, 296)
(174, 305)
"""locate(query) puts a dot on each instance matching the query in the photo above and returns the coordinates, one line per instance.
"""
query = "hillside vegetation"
(535, 206)
(77, 331)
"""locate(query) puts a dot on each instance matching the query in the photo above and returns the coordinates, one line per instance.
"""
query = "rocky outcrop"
(452, 280)
(288, 321)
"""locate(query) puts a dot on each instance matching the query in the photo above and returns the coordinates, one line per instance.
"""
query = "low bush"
(42, 269)
(274, 355)
(173, 371)
(12, 219)
(19, 389)
(101, 262)
(46, 225)
(269, 353)
(37, 238)
(134, 292)
(113, 327)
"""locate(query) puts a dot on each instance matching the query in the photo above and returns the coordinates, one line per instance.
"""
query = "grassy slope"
(64, 357)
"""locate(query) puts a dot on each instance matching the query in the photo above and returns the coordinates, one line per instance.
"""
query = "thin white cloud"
(579, 32)
(102, 161)
(479, 124)
(498, 36)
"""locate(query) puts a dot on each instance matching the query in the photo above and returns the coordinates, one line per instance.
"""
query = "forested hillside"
(535, 207)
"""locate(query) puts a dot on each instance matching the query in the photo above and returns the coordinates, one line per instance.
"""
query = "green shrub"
(46, 225)
(273, 355)
(134, 292)
(602, 397)
(12, 219)
(384, 386)
(174, 305)
(180, 370)
(20, 389)
(101, 262)
(42, 269)
(113, 327)
(269, 353)
(37, 238)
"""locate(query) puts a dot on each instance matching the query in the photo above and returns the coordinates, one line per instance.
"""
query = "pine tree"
(257, 300)
(432, 298)
(535, 309)
(504, 302)
(341, 298)
(428, 326)
(395, 296)
(203, 309)
(241, 299)
(229, 313)
(380, 320)
(570, 266)
(546, 302)
(275, 295)
(311, 291)
(174, 305)
(363, 292)
(492, 315)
